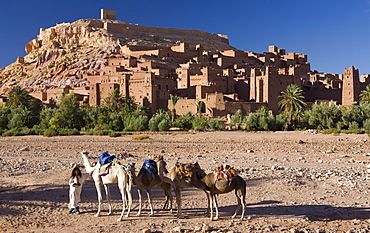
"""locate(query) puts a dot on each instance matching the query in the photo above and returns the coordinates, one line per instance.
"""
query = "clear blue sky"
(335, 34)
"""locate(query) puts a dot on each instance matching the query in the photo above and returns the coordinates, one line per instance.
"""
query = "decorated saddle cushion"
(225, 172)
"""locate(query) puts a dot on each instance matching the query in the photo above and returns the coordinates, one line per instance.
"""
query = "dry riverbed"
(296, 182)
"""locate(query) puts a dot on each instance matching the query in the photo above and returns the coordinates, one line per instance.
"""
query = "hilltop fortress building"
(226, 80)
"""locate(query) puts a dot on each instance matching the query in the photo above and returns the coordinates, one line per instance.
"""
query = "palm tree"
(292, 103)
(174, 99)
(115, 101)
(365, 95)
(18, 96)
(200, 106)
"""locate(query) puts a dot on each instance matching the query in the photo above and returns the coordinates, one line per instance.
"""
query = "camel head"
(84, 152)
(130, 166)
(193, 168)
(156, 158)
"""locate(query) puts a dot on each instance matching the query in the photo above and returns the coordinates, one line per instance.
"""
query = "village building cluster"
(225, 81)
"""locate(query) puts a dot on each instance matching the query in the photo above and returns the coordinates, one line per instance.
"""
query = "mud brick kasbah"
(198, 66)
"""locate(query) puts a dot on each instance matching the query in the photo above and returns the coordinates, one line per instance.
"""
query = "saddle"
(151, 167)
(225, 172)
(183, 168)
(104, 169)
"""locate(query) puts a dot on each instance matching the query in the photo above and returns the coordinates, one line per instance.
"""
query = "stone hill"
(62, 54)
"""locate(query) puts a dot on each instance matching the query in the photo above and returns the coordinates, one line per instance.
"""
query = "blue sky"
(335, 34)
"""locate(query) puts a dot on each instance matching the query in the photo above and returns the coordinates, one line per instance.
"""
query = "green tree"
(184, 122)
(4, 117)
(200, 107)
(358, 113)
(174, 99)
(237, 118)
(262, 120)
(91, 117)
(292, 103)
(365, 95)
(136, 123)
(161, 121)
(324, 116)
(68, 115)
(45, 116)
(115, 101)
(18, 96)
(19, 117)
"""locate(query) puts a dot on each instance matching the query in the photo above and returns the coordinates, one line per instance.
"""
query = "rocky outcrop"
(62, 54)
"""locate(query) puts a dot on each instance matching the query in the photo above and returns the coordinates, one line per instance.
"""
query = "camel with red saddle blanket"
(224, 180)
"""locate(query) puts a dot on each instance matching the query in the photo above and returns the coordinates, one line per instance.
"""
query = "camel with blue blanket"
(147, 179)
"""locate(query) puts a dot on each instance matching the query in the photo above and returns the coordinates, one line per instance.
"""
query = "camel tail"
(87, 165)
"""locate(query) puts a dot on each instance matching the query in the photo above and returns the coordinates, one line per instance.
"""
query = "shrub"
(27, 131)
(158, 118)
(89, 132)
(367, 125)
(101, 132)
(263, 120)
(215, 124)
(330, 131)
(114, 134)
(185, 121)
(164, 125)
(19, 132)
(140, 138)
(237, 118)
(68, 132)
(12, 132)
(50, 132)
(135, 123)
(200, 122)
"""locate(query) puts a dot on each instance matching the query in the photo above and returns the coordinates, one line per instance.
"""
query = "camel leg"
(243, 208)
(140, 194)
(216, 206)
(169, 199)
(123, 191)
(243, 205)
(240, 195)
(178, 201)
(165, 194)
(107, 192)
(210, 204)
(149, 194)
(208, 201)
(100, 198)
(129, 197)
(239, 204)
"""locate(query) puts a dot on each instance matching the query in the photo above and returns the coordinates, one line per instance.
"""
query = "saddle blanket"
(182, 168)
(106, 158)
(225, 172)
(151, 167)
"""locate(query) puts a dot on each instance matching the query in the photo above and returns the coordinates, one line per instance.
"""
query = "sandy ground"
(296, 182)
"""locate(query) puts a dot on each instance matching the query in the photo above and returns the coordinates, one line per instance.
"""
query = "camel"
(213, 186)
(117, 174)
(145, 181)
(177, 180)
(208, 183)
